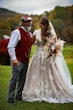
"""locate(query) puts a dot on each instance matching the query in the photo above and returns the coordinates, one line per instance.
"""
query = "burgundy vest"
(24, 46)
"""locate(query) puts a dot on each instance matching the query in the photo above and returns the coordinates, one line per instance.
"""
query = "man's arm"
(15, 37)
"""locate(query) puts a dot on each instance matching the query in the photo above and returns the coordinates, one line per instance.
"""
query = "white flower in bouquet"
(60, 44)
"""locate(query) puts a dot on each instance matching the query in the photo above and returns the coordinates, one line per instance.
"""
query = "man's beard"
(28, 28)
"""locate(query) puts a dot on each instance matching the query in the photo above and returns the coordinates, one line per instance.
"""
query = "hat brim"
(26, 19)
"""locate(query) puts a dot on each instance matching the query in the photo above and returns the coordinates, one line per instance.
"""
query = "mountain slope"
(5, 13)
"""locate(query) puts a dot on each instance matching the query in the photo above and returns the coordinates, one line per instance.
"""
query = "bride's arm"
(32, 40)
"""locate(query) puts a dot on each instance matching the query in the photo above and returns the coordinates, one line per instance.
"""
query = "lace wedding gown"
(47, 79)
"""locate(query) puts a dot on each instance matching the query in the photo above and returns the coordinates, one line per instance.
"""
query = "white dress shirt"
(14, 39)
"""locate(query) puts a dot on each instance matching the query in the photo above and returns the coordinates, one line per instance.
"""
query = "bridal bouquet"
(53, 47)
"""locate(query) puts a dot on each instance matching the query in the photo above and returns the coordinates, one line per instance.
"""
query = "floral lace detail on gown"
(46, 79)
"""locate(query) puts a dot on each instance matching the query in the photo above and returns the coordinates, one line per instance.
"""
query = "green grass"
(33, 49)
(5, 72)
(68, 55)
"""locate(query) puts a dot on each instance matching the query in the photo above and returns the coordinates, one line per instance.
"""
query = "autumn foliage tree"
(62, 20)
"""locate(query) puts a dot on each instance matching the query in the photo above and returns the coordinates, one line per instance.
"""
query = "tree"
(4, 29)
(59, 26)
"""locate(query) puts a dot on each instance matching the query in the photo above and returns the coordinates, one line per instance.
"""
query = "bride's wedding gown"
(47, 79)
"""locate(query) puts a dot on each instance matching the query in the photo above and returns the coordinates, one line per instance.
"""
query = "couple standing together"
(46, 79)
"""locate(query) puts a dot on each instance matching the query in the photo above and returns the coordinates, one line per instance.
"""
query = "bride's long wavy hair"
(45, 22)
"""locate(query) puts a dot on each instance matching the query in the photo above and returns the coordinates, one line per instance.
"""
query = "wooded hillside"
(61, 18)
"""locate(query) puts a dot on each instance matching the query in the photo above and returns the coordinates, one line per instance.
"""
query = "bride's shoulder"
(37, 31)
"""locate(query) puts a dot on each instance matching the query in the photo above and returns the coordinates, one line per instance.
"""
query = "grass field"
(5, 72)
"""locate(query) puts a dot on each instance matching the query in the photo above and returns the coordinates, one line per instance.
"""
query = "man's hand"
(15, 62)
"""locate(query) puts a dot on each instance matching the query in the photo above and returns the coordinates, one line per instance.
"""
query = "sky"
(33, 6)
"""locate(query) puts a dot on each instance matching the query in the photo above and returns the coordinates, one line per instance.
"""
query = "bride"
(48, 78)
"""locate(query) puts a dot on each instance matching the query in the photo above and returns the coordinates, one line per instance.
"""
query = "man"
(19, 47)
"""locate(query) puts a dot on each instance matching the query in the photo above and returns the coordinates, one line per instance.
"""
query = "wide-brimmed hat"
(26, 18)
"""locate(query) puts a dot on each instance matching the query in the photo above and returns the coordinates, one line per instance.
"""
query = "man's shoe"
(11, 101)
(19, 99)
